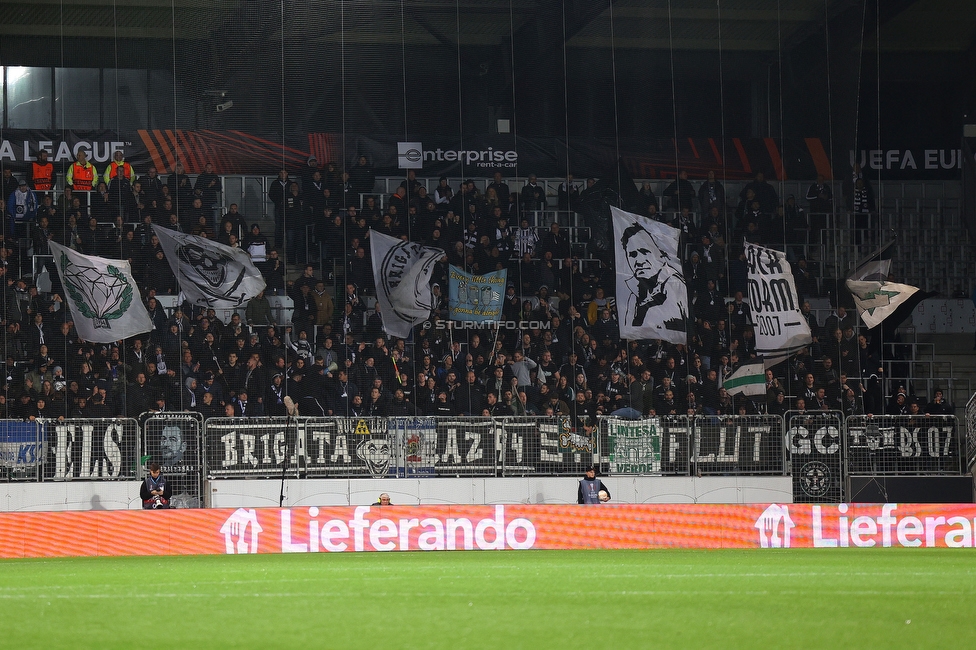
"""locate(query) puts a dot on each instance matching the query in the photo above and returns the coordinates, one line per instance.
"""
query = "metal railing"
(821, 450)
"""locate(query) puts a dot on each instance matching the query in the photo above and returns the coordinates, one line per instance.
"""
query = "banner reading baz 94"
(475, 297)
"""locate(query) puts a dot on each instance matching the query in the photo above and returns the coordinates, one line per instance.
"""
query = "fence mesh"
(904, 444)
(814, 441)
(174, 440)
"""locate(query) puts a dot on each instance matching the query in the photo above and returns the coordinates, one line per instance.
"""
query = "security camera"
(224, 106)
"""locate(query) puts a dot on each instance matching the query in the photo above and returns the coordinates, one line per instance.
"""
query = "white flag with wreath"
(103, 297)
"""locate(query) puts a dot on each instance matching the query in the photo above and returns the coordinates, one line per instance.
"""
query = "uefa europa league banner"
(475, 298)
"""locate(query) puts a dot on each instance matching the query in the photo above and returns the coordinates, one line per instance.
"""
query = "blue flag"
(475, 297)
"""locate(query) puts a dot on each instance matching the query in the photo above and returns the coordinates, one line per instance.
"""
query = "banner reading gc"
(475, 297)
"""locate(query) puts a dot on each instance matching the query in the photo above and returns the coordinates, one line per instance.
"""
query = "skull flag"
(211, 275)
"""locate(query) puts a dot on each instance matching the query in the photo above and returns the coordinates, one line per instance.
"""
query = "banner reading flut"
(475, 298)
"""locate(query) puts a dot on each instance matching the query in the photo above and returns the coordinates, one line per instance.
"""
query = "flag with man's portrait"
(652, 298)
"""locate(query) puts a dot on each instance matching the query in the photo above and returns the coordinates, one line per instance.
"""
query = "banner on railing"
(22, 445)
(91, 448)
(634, 446)
(174, 441)
(739, 444)
(814, 440)
(262, 446)
(544, 446)
(904, 444)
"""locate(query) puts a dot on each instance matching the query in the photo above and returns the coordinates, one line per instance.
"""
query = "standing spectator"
(763, 192)
(820, 196)
(362, 178)
(22, 207)
(180, 189)
(567, 196)
(207, 189)
(711, 194)
(533, 195)
(680, 192)
(278, 192)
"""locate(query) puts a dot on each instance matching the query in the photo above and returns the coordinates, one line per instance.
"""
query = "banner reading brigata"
(313, 529)
(475, 297)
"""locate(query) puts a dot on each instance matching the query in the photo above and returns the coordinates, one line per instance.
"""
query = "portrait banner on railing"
(174, 441)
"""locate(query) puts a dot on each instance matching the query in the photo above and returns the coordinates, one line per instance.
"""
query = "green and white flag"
(103, 298)
(875, 298)
(749, 379)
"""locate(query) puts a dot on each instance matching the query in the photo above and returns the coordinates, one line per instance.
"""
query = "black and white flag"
(780, 327)
(210, 274)
(877, 299)
(102, 296)
(402, 271)
(652, 298)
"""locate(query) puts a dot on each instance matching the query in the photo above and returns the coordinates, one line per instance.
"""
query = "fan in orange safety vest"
(118, 166)
(41, 173)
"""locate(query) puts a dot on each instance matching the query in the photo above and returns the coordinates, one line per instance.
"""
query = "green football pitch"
(854, 598)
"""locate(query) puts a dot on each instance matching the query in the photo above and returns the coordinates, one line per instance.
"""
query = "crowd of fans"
(559, 353)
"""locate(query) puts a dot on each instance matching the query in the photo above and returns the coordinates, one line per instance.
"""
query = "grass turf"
(537, 599)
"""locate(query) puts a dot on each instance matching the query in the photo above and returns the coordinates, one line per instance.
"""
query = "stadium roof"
(751, 25)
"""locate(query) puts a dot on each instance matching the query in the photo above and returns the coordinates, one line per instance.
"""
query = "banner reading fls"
(475, 297)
